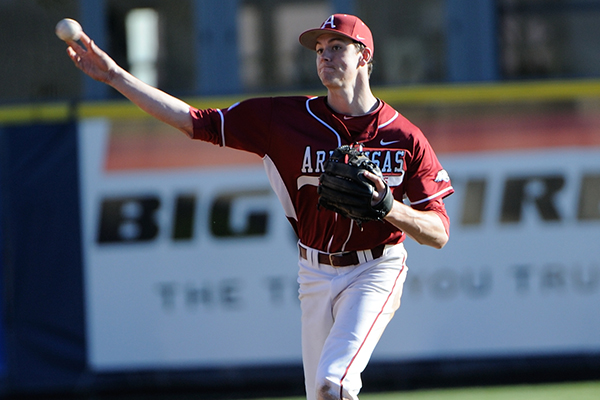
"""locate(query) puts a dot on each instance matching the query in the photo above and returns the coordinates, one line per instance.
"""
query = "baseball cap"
(342, 24)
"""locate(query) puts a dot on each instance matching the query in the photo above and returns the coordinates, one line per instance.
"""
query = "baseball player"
(352, 264)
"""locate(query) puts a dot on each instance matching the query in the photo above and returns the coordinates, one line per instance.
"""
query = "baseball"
(68, 29)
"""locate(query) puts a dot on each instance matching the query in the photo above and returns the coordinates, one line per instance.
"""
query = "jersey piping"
(349, 235)
(389, 122)
(222, 127)
(433, 196)
(279, 188)
(339, 139)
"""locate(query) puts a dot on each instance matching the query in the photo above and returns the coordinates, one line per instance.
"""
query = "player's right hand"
(92, 60)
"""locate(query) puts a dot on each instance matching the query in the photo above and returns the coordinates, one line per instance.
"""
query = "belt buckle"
(333, 255)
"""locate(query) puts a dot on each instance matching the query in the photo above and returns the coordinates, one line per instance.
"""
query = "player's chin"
(330, 82)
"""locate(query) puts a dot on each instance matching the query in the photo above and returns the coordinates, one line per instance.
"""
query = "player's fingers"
(76, 48)
(85, 39)
(379, 184)
(76, 58)
(94, 48)
(71, 53)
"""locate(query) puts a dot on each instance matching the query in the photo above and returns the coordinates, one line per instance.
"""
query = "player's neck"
(354, 101)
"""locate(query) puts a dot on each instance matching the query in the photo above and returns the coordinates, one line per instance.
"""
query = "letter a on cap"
(330, 21)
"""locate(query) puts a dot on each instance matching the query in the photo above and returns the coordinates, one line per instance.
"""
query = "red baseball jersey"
(295, 135)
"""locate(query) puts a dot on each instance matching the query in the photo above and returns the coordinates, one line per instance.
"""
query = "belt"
(342, 259)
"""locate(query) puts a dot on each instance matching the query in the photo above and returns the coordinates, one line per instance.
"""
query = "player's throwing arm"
(95, 63)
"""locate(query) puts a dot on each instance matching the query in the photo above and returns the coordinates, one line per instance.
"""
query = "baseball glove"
(343, 188)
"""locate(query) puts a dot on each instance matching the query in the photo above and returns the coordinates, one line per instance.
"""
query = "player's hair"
(359, 48)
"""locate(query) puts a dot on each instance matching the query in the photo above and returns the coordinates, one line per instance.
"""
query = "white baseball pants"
(344, 313)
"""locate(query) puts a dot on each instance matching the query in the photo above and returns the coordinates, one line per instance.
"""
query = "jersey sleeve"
(427, 181)
(243, 126)
(207, 125)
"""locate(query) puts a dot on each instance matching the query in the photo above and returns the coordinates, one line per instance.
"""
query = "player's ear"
(366, 56)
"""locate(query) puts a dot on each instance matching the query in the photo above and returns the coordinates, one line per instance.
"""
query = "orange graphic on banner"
(148, 144)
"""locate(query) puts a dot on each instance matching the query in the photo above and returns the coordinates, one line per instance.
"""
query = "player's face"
(337, 60)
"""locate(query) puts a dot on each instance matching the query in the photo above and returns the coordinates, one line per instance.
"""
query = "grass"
(558, 391)
(564, 391)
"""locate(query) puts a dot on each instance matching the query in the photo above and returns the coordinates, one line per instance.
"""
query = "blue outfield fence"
(2, 292)
(43, 294)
